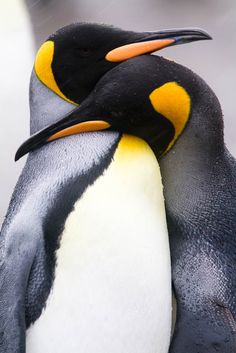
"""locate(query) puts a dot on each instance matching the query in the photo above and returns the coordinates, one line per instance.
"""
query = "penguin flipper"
(12, 328)
(17, 256)
(206, 332)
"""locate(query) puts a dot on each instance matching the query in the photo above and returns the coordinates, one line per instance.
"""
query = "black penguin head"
(146, 96)
(73, 59)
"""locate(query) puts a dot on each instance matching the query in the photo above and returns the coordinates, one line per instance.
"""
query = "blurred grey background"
(24, 25)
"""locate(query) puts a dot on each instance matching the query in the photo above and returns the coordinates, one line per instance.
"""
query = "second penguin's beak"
(71, 124)
(150, 42)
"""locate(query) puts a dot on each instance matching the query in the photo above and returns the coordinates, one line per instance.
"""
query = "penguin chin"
(46, 107)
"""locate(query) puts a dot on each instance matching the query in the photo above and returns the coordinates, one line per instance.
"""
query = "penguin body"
(92, 270)
(112, 257)
(200, 197)
(199, 186)
(44, 209)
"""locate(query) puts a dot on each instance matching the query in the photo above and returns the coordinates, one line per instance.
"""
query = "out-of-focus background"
(25, 25)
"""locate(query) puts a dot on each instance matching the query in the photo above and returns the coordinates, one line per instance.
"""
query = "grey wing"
(19, 241)
(18, 249)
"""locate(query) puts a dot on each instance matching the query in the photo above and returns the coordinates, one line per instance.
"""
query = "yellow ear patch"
(43, 68)
(173, 102)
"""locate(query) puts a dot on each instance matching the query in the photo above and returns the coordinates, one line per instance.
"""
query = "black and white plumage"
(199, 186)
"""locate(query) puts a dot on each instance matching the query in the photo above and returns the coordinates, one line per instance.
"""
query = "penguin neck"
(189, 168)
(46, 107)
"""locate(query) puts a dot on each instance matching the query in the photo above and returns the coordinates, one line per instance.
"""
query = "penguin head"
(147, 96)
(73, 59)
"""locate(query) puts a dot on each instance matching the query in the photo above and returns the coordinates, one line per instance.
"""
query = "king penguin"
(86, 258)
(80, 279)
(180, 117)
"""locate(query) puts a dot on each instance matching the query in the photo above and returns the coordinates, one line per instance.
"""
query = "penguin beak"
(150, 42)
(71, 124)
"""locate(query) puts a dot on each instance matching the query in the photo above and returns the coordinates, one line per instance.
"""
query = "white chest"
(112, 288)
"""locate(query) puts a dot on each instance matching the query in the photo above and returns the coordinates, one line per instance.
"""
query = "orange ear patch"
(173, 102)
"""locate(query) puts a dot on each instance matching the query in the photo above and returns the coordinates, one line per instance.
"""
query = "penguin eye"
(83, 52)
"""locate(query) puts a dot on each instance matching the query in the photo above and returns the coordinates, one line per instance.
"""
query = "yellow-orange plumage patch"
(43, 68)
(173, 102)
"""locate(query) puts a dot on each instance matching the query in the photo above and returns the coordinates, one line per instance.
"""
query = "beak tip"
(17, 156)
(207, 36)
(203, 34)
(22, 150)
(192, 35)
